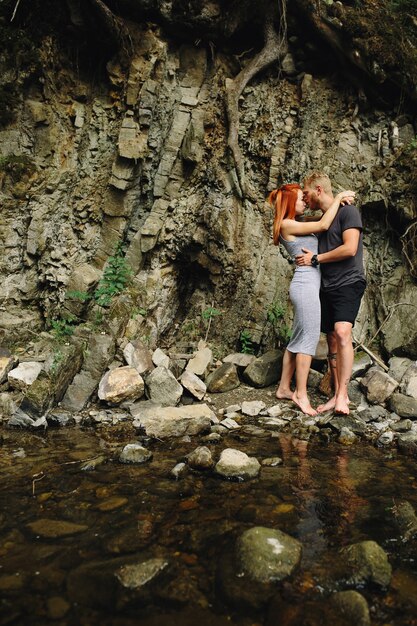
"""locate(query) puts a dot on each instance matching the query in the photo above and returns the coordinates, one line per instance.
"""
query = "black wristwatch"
(314, 261)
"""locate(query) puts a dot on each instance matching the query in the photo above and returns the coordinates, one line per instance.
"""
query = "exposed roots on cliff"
(275, 48)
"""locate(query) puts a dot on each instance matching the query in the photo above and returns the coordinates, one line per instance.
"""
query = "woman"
(304, 289)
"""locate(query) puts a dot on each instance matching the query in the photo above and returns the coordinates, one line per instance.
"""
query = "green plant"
(56, 361)
(63, 328)
(138, 311)
(116, 276)
(275, 313)
(207, 315)
(276, 317)
(246, 342)
(82, 296)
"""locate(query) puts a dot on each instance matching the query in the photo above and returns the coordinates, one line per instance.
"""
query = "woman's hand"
(346, 197)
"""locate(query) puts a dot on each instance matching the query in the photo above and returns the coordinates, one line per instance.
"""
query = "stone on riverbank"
(193, 384)
(409, 381)
(236, 464)
(265, 370)
(137, 355)
(267, 555)
(378, 386)
(24, 375)
(162, 387)
(200, 459)
(173, 421)
(224, 378)
(404, 406)
(253, 408)
(122, 383)
(366, 562)
(200, 362)
(135, 453)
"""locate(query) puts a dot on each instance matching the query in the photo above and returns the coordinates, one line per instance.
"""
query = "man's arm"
(348, 249)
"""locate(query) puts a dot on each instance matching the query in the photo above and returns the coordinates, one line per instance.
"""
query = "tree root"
(275, 48)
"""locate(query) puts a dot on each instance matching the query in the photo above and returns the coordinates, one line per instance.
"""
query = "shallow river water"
(327, 496)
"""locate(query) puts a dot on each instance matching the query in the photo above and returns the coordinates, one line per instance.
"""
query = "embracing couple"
(327, 286)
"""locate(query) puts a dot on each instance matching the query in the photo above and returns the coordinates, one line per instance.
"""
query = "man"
(340, 257)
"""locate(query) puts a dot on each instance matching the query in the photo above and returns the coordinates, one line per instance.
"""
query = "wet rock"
(160, 358)
(267, 555)
(402, 426)
(211, 438)
(398, 367)
(378, 386)
(407, 443)
(173, 421)
(20, 419)
(349, 422)
(137, 575)
(386, 438)
(409, 381)
(406, 519)
(112, 504)
(137, 355)
(199, 364)
(273, 461)
(373, 414)
(59, 418)
(135, 453)
(347, 437)
(265, 370)
(123, 383)
(57, 607)
(162, 387)
(404, 406)
(200, 459)
(253, 408)
(366, 562)
(193, 384)
(132, 538)
(179, 471)
(51, 529)
(224, 378)
(275, 411)
(355, 394)
(236, 464)
(22, 376)
(352, 607)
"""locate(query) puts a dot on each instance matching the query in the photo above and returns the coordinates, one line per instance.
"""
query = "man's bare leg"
(283, 391)
(332, 358)
(300, 397)
(345, 356)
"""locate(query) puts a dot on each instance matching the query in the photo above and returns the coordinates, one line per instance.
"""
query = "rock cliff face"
(115, 129)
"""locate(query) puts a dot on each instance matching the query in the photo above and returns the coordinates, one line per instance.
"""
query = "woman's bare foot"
(328, 406)
(342, 406)
(304, 405)
(283, 394)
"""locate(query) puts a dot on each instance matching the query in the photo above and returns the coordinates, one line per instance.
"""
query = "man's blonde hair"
(318, 178)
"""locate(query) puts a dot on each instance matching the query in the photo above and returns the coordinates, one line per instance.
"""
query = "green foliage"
(63, 328)
(276, 317)
(275, 313)
(209, 313)
(16, 166)
(82, 296)
(116, 276)
(246, 342)
(57, 360)
(138, 311)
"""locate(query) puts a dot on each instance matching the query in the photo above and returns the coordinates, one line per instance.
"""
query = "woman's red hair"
(283, 200)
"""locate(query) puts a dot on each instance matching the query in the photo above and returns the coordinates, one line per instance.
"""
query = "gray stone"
(224, 378)
(239, 359)
(236, 464)
(409, 381)
(347, 437)
(404, 406)
(355, 394)
(162, 387)
(122, 383)
(179, 471)
(275, 411)
(137, 355)
(193, 384)
(407, 443)
(160, 358)
(79, 392)
(352, 607)
(361, 363)
(200, 362)
(173, 421)
(378, 386)
(253, 407)
(267, 555)
(200, 459)
(398, 366)
(402, 426)
(24, 375)
(59, 418)
(366, 562)
(135, 453)
(265, 370)
(229, 423)
(373, 414)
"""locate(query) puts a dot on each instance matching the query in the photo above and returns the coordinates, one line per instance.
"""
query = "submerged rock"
(236, 464)
(352, 607)
(51, 528)
(366, 562)
(135, 453)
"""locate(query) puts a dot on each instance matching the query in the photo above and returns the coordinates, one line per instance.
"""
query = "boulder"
(239, 359)
(193, 384)
(160, 358)
(366, 562)
(378, 385)
(24, 375)
(404, 406)
(236, 464)
(224, 378)
(138, 355)
(409, 381)
(267, 555)
(398, 367)
(200, 362)
(265, 370)
(162, 387)
(79, 392)
(200, 458)
(173, 421)
(122, 383)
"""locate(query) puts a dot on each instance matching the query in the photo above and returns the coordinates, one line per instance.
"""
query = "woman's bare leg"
(283, 391)
(300, 397)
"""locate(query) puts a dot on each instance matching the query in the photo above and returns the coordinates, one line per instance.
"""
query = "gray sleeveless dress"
(304, 295)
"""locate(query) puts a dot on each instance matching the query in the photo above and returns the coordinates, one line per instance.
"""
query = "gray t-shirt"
(349, 270)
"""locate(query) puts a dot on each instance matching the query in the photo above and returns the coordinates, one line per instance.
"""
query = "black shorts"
(340, 305)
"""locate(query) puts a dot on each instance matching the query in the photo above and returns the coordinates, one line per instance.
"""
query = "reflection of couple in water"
(327, 286)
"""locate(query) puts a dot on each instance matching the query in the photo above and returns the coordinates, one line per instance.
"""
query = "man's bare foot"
(283, 394)
(342, 406)
(304, 405)
(328, 406)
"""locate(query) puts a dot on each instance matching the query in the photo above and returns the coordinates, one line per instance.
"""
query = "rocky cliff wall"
(135, 151)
